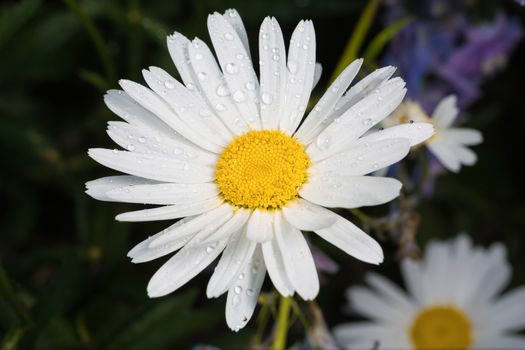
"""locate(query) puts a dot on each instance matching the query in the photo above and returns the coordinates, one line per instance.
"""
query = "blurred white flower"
(453, 302)
(449, 143)
(225, 152)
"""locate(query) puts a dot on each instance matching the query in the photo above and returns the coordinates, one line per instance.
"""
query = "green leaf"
(383, 37)
(14, 17)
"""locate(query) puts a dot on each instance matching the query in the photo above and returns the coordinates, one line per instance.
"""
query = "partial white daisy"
(225, 153)
(449, 144)
(453, 302)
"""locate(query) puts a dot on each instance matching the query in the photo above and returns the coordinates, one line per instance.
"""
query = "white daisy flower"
(225, 152)
(449, 144)
(453, 302)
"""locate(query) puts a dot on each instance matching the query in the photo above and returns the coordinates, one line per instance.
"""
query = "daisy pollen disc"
(262, 169)
(441, 327)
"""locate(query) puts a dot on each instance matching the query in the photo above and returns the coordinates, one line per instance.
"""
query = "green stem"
(360, 215)
(95, 36)
(356, 40)
(279, 342)
(6, 290)
(262, 320)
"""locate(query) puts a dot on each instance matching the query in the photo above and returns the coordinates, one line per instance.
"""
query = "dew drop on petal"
(232, 68)
(130, 147)
(142, 139)
(323, 142)
(169, 84)
(239, 96)
(220, 107)
(202, 76)
(250, 86)
(209, 249)
(237, 289)
(368, 122)
(198, 56)
(266, 98)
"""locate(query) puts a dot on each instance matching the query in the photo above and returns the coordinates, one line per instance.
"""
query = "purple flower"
(442, 52)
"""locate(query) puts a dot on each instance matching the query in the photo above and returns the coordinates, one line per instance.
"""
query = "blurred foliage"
(65, 280)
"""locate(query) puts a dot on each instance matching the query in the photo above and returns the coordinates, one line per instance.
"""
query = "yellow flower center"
(262, 169)
(441, 328)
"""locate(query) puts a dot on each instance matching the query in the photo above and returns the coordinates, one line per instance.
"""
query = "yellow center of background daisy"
(262, 169)
(441, 327)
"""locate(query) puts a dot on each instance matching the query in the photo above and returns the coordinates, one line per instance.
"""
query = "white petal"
(171, 212)
(272, 53)
(446, 154)
(99, 187)
(243, 295)
(214, 88)
(508, 313)
(178, 49)
(259, 227)
(237, 67)
(142, 252)
(349, 191)
(300, 76)
(232, 16)
(464, 136)
(415, 132)
(236, 255)
(153, 167)
(166, 193)
(358, 119)
(273, 260)
(368, 303)
(317, 74)
(318, 117)
(139, 139)
(191, 109)
(307, 216)
(236, 223)
(364, 87)
(152, 102)
(413, 276)
(183, 266)
(211, 220)
(129, 110)
(363, 158)
(390, 291)
(352, 240)
(366, 335)
(298, 261)
(446, 112)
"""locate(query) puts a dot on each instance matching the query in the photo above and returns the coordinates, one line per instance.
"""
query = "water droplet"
(169, 84)
(250, 86)
(239, 96)
(276, 57)
(241, 276)
(249, 292)
(198, 56)
(228, 36)
(323, 143)
(232, 68)
(222, 90)
(292, 66)
(220, 107)
(265, 36)
(202, 76)
(177, 150)
(131, 147)
(237, 289)
(239, 56)
(305, 47)
(301, 29)
(209, 249)
(142, 139)
(368, 122)
(266, 98)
